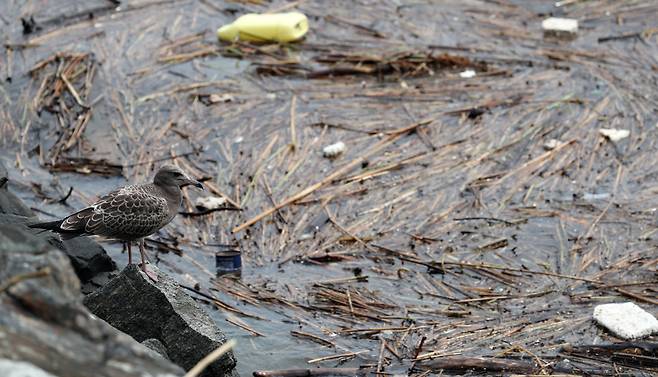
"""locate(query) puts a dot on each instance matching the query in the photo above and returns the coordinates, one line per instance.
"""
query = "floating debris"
(591, 197)
(215, 98)
(480, 158)
(281, 27)
(561, 28)
(65, 81)
(228, 262)
(467, 74)
(551, 144)
(334, 150)
(408, 63)
(83, 165)
(626, 320)
(613, 134)
(209, 202)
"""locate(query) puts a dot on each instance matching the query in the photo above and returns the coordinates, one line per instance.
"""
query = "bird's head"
(171, 175)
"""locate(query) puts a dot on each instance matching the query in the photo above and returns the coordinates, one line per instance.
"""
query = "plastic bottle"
(277, 27)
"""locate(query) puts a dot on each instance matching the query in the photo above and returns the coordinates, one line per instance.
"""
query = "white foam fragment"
(626, 320)
(216, 98)
(560, 27)
(591, 197)
(614, 134)
(334, 150)
(210, 202)
(552, 144)
(467, 74)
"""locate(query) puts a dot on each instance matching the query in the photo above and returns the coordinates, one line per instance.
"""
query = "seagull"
(129, 213)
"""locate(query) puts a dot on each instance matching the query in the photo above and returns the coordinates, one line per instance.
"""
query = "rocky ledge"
(44, 323)
(45, 330)
(91, 263)
(146, 310)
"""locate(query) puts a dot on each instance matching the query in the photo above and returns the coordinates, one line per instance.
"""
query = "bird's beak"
(193, 182)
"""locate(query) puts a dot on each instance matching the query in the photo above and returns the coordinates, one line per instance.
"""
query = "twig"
(210, 358)
(336, 174)
(494, 267)
(63, 200)
(419, 349)
(313, 372)
(207, 211)
(159, 160)
(313, 338)
(219, 303)
(480, 364)
(381, 356)
(244, 327)
(483, 218)
(636, 296)
(620, 37)
(338, 356)
(349, 301)
(293, 133)
(24, 276)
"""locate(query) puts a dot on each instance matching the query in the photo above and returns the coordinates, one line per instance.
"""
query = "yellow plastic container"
(277, 27)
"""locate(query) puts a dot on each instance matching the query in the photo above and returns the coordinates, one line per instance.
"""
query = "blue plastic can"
(228, 262)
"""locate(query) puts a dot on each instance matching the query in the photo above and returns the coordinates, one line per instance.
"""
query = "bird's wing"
(83, 221)
(129, 212)
(89, 219)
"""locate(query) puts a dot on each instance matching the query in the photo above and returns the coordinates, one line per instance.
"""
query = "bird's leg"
(142, 252)
(148, 273)
(130, 254)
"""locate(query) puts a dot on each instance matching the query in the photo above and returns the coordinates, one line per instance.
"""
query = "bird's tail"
(49, 225)
(54, 226)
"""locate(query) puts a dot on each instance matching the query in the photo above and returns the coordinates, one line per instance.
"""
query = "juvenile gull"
(129, 213)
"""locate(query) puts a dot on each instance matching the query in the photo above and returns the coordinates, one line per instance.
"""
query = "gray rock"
(10, 203)
(157, 347)
(44, 323)
(90, 261)
(12, 368)
(3, 172)
(135, 305)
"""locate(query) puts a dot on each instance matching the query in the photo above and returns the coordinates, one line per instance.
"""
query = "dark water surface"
(476, 184)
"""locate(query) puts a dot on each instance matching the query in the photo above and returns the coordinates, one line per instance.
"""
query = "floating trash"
(333, 150)
(217, 98)
(278, 27)
(209, 202)
(591, 197)
(467, 74)
(551, 144)
(562, 28)
(228, 262)
(626, 320)
(613, 134)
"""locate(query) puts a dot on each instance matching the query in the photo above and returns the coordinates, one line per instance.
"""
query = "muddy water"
(477, 185)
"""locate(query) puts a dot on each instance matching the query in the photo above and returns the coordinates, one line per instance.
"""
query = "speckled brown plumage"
(129, 213)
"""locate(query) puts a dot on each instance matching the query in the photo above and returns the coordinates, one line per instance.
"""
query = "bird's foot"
(152, 275)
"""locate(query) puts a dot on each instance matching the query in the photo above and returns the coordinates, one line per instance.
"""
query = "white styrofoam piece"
(626, 320)
(334, 150)
(551, 144)
(614, 134)
(467, 74)
(567, 25)
(209, 202)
